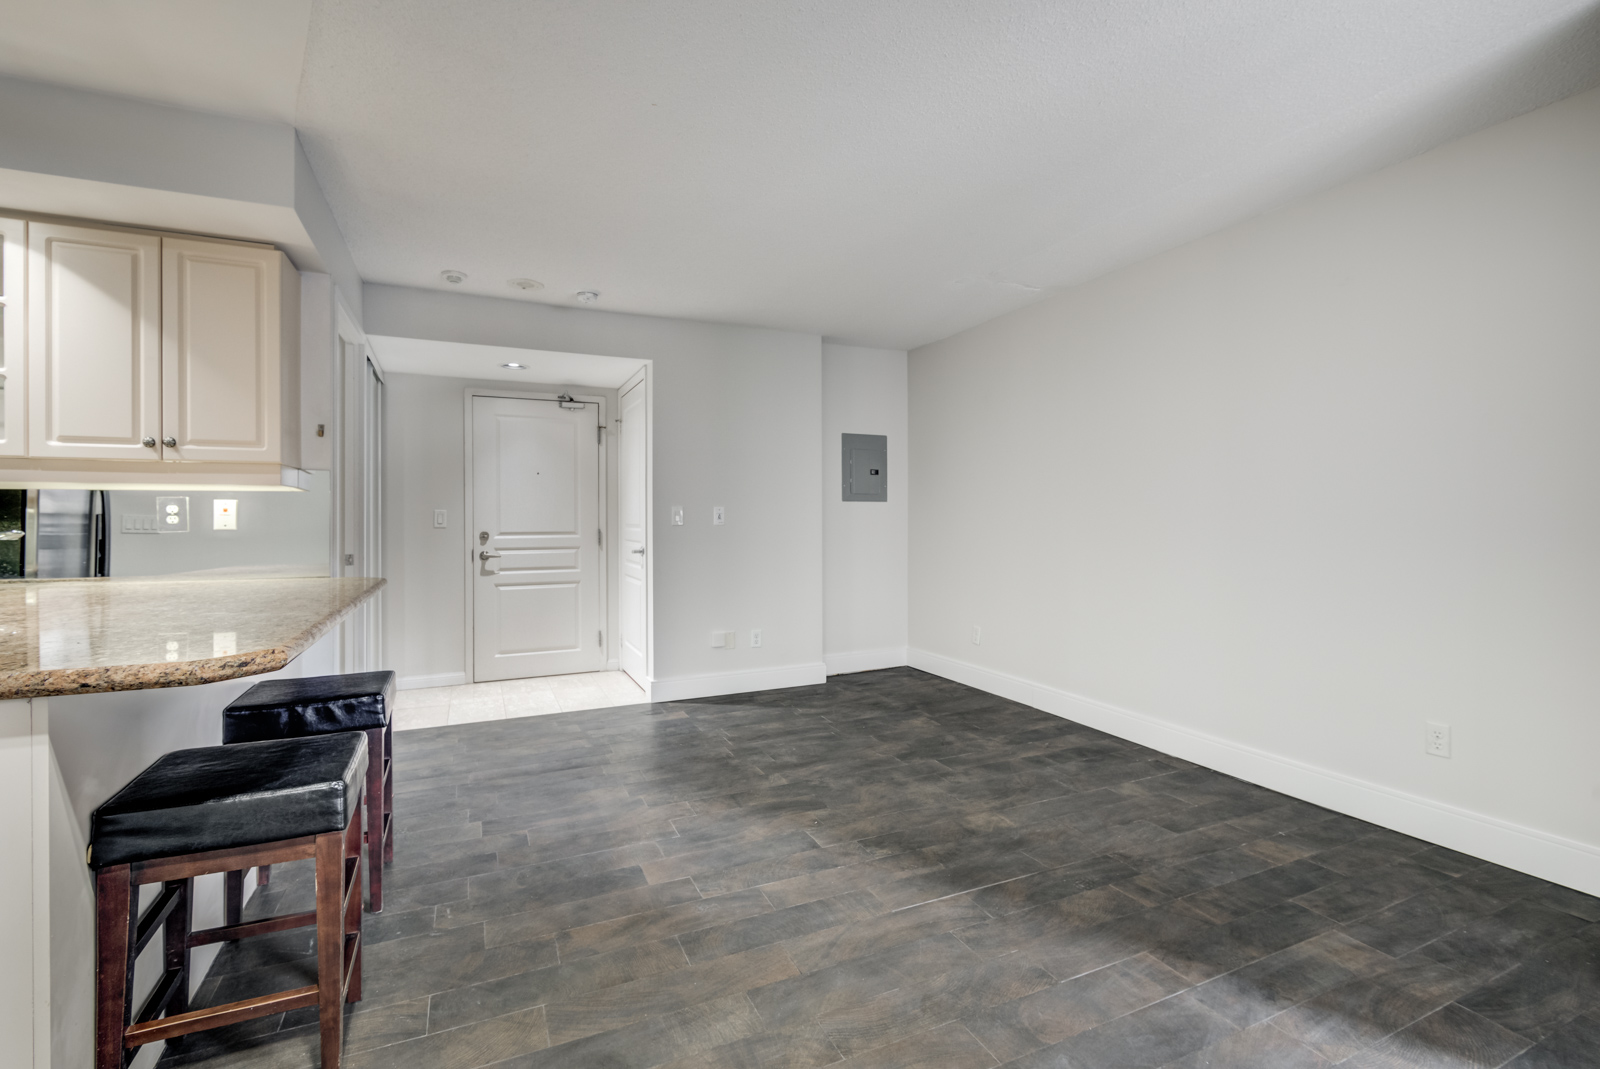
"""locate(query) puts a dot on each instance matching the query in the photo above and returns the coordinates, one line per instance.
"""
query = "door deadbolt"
(483, 538)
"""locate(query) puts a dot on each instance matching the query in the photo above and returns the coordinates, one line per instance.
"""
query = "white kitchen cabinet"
(228, 394)
(146, 359)
(94, 343)
(13, 338)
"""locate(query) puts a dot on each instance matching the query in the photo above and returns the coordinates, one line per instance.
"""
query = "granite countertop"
(83, 636)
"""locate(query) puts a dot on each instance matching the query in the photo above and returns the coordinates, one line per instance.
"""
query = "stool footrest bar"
(244, 931)
(215, 1017)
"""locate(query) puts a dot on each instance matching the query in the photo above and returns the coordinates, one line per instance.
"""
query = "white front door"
(633, 505)
(535, 546)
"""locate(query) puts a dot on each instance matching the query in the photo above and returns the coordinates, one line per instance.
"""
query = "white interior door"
(536, 538)
(633, 505)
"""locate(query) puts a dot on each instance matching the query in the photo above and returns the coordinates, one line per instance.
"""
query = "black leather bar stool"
(220, 809)
(322, 705)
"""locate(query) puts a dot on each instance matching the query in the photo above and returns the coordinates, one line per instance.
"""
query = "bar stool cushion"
(319, 705)
(217, 797)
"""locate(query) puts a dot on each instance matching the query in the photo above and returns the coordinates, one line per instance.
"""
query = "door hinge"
(600, 537)
(600, 639)
(600, 435)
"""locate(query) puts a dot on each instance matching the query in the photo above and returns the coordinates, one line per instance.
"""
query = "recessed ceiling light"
(525, 283)
(452, 276)
(516, 367)
(587, 296)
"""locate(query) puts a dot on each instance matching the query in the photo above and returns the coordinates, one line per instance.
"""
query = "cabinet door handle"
(149, 442)
(170, 442)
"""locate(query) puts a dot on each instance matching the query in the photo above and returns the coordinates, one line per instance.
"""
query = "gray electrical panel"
(866, 467)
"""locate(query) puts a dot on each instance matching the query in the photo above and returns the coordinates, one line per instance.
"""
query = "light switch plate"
(717, 515)
(440, 518)
(224, 514)
(677, 515)
(723, 640)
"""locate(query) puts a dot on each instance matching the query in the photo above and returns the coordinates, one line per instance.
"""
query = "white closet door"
(13, 339)
(94, 343)
(633, 504)
(220, 351)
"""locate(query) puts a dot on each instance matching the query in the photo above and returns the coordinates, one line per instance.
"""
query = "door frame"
(469, 539)
(356, 488)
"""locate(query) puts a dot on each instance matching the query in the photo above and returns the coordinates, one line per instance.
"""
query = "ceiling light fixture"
(587, 296)
(452, 276)
(516, 367)
(525, 283)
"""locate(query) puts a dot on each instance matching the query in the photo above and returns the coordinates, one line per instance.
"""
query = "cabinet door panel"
(220, 351)
(94, 335)
(13, 342)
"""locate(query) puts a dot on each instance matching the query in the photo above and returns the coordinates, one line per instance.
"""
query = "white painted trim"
(443, 679)
(1550, 857)
(751, 679)
(864, 660)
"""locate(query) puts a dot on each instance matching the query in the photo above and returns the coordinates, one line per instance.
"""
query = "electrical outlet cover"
(1437, 739)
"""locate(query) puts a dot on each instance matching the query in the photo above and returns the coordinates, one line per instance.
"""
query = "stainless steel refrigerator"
(63, 534)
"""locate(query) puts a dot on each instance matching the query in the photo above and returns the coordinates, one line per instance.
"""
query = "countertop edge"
(56, 682)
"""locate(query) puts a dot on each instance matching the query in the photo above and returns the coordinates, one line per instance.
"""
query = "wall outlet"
(172, 515)
(677, 515)
(1438, 739)
(716, 515)
(224, 514)
(441, 518)
(723, 640)
(977, 635)
(755, 638)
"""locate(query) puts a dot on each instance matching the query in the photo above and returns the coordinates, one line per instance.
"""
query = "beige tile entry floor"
(437, 706)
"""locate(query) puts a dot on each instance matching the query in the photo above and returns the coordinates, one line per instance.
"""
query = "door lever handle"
(485, 554)
(639, 551)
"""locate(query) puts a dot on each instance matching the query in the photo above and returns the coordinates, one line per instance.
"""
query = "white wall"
(864, 542)
(278, 533)
(736, 416)
(1274, 499)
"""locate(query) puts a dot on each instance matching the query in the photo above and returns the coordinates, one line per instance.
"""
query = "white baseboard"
(864, 660)
(443, 679)
(1550, 857)
(683, 688)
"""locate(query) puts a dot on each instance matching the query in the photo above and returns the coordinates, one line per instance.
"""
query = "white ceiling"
(237, 57)
(879, 171)
(419, 356)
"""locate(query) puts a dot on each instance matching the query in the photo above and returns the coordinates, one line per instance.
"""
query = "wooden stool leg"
(330, 851)
(179, 923)
(374, 807)
(352, 913)
(388, 793)
(232, 896)
(116, 924)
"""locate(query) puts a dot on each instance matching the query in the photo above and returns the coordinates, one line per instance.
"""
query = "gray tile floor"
(891, 871)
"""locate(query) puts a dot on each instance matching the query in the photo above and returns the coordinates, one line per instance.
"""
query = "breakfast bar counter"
(98, 678)
(86, 636)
